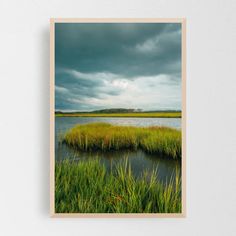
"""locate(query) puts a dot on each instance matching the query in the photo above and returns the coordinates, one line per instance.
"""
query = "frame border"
(53, 214)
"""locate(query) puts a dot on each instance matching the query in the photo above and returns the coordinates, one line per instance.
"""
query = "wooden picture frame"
(53, 21)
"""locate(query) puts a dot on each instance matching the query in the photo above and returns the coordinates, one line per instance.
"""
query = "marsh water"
(139, 160)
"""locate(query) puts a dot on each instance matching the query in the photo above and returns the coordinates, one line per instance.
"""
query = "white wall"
(211, 117)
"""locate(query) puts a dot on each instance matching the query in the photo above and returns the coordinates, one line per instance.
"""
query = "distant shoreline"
(126, 115)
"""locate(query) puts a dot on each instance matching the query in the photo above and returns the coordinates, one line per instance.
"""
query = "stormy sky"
(117, 65)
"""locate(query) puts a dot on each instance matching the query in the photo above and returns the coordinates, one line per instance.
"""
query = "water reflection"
(138, 159)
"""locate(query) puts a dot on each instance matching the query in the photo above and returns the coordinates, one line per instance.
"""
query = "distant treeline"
(118, 110)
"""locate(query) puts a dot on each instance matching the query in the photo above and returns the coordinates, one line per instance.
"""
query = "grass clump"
(87, 187)
(107, 137)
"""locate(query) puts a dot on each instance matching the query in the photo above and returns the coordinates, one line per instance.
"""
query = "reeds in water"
(107, 137)
(87, 187)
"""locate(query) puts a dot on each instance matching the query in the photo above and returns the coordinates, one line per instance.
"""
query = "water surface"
(139, 160)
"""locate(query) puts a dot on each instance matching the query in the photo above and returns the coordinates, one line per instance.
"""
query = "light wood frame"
(52, 115)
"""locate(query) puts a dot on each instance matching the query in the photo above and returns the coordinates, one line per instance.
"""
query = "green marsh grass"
(87, 187)
(133, 114)
(107, 137)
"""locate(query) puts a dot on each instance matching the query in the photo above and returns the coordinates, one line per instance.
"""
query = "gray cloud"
(99, 64)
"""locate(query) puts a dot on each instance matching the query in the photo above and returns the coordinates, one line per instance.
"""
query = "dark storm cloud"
(112, 47)
(95, 60)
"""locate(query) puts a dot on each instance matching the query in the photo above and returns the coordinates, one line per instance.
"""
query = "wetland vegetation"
(87, 187)
(170, 114)
(106, 137)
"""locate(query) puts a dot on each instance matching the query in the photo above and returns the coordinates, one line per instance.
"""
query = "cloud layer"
(104, 65)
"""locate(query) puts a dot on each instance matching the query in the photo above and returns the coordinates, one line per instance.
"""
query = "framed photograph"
(117, 118)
